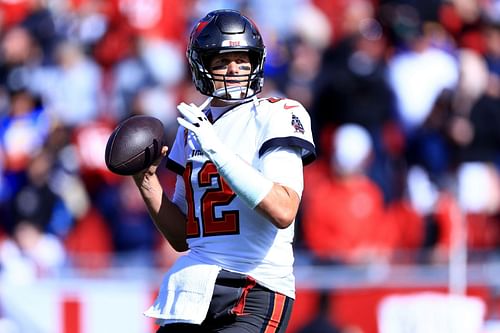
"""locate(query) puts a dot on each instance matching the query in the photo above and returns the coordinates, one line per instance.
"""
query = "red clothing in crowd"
(13, 12)
(344, 219)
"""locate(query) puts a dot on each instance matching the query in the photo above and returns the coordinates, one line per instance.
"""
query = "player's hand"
(143, 175)
(196, 121)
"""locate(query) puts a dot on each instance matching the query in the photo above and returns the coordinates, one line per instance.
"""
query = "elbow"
(280, 207)
(284, 219)
(282, 224)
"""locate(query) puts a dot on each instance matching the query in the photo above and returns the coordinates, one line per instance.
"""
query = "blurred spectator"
(475, 133)
(132, 233)
(162, 19)
(352, 88)
(424, 74)
(343, 216)
(419, 71)
(463, 20)
(428, 145)
(147, 79)
(30, 254)
(491, 34)
(344, 16)
(81, 21)
(72, 88)
(20, 57)
(306, 46)
(23, 130)
(39, 21)
(479, 198)
(126, 21)
(37, 201)
(270, 19)
(471, 86)
(484, 119)
(427, 219)
(13, 12)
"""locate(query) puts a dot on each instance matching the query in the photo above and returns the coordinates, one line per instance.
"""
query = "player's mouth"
(234, 84)
(234, 81)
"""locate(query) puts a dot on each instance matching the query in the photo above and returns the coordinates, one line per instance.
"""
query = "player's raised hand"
(197, 122)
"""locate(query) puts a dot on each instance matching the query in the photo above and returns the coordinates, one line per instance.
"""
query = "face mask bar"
(240, 92)
(204, 80)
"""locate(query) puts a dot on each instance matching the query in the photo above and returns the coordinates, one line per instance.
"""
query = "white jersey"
(221, 229)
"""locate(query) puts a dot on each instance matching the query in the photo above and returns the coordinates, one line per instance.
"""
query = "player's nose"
(233, 68)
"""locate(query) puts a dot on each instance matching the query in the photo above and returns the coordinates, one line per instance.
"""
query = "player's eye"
(218, 67)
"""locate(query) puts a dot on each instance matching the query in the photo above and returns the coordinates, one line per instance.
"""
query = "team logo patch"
(297, 125)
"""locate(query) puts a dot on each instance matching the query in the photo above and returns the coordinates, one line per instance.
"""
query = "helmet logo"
(234, 43)
(199, 28)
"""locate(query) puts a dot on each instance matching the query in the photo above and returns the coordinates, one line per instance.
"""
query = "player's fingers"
(164, 150)
(183, 108)
(197, 112)
(187, 112)
(157, 162)
(150, 170)
(186, 124)
(191, 112)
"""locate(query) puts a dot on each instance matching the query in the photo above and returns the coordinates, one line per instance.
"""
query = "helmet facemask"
(249, 84)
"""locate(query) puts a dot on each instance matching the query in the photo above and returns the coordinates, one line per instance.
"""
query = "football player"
(239, 160)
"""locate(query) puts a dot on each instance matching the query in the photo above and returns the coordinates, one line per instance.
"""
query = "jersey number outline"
(221, 195)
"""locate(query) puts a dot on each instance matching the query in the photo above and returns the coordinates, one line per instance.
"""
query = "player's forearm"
(277, 202)
(166, 216)
(280, 206)
(171, 223)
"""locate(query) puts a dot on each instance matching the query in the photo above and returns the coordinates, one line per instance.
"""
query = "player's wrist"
(220, 155)
(247, 182)
(146, 181)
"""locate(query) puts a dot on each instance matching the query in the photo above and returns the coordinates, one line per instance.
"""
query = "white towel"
(185, 293)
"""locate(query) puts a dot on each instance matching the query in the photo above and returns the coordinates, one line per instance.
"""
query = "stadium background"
(406, 203)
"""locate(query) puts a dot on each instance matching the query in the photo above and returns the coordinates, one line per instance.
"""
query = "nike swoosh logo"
(286, 106)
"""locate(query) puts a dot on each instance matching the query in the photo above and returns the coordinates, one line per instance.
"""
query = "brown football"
(134, 144)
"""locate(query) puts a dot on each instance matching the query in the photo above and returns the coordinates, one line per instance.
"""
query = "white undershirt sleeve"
(283, 165)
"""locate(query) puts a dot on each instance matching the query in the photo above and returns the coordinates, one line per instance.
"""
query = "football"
(134, 144)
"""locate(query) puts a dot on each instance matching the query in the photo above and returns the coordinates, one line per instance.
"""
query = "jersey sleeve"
(176, 159)
(283, 165)
(288, 125)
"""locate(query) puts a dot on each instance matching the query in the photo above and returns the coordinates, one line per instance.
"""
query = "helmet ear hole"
(225, 31)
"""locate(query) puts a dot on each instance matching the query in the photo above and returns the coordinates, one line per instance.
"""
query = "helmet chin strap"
(233, 94)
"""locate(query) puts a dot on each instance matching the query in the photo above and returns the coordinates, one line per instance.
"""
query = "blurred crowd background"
(404, 96)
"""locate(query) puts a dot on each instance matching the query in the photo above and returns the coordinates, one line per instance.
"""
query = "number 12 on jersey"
(213, 197)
